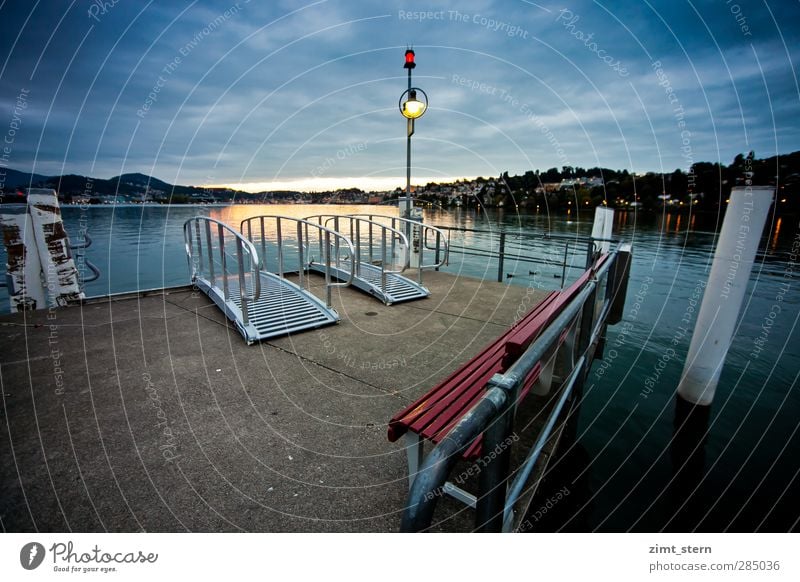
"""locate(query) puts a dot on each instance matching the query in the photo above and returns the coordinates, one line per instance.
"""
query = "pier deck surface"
(150, 412)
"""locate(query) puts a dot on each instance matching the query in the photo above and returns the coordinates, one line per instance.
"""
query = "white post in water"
(603, 226)
(727, 282)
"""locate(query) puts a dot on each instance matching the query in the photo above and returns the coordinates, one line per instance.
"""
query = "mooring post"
(727, 282)
(716, 320)
(603, 226)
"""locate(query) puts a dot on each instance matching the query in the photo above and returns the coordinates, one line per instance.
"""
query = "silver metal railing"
(523, 248)
(493, 415)
(208, 248)
(277, 236)
(80, 259)
(368, 237)
(427, 232)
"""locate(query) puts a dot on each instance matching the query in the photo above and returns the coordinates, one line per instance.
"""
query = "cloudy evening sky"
(304, 95)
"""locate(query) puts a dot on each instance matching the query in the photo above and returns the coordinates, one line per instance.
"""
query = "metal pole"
(409, 204)
(493, 478)
(501, 257)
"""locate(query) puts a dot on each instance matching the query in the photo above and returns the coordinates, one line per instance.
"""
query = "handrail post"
(242, 284)
(300, 257)
(437, 256)
(328, 265)
(589, 254)
(493, 479)
(279, 241)
(198, 267)
(335, 240)
(383, 260)
(358, 244)
(371, 251)
(501, 257)
(210, 254)
(584, 338)
(263, 243)
(421, 246)
(564, 265)
(224, 262)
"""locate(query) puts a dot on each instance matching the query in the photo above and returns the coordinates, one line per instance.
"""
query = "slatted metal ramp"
(270, 306)
(381, 255)
(282, 307)
(368, 278)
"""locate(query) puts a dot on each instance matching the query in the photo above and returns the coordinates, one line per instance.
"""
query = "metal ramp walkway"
(270, 306)
(381, 255)
(370, 278)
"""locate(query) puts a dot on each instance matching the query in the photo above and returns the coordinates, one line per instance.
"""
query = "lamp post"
(412, 108)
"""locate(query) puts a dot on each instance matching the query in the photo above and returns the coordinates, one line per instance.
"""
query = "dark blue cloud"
(226, 91)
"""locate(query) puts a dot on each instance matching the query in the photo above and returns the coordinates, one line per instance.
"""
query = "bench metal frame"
(493, 415)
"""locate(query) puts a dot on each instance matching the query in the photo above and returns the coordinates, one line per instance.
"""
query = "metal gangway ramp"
(261, 304)
(381, 255)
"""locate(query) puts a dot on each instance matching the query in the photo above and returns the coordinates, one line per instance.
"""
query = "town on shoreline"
(703, 187)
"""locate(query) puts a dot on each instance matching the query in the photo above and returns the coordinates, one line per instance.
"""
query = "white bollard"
(727, 282)
(603, 226)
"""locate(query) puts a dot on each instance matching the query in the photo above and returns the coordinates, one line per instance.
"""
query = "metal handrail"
(493, 416)
(87, 242)
(93, 268)
(82, 246)
(576, 241)
(543, 236)
(355, 223)
(196, 260)
(327, 239)
(441, 240)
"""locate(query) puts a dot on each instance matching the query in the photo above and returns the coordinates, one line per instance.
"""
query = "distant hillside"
(141, 180)
(133, 187)
(10, 179)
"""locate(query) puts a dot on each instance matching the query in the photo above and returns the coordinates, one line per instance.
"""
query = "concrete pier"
(149, 411)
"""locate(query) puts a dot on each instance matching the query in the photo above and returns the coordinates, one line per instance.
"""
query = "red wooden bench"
(434, 414)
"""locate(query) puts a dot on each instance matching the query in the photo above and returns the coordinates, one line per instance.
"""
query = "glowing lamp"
(412, 107)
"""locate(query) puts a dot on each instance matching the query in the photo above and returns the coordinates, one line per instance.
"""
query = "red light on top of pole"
(410, 64)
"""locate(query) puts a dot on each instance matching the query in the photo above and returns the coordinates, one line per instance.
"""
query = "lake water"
(619, 471)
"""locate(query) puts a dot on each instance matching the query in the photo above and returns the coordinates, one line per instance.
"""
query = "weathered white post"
(713, 332)
(41, 272)
(26, 290)
(58, 267)
(727, 282)
(603, 226)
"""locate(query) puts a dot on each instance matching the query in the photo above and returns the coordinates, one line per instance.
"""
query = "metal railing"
(283, 233)
(80, 259)
(527, 248)
(367, 236)
(493, 415)
(208, 255)
(440, 248)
